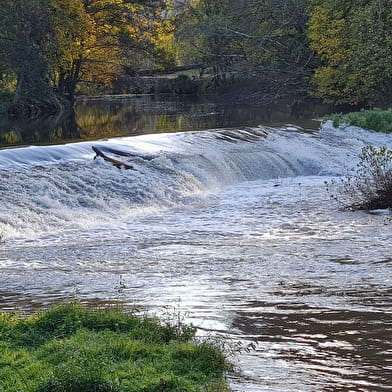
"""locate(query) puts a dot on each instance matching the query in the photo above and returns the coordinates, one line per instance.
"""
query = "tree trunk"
(73, 80)
(34, 97)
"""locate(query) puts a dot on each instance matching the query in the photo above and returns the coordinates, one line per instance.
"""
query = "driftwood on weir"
(114, 162)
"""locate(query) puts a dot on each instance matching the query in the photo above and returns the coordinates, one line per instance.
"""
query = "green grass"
(376, 119)
(71, 348)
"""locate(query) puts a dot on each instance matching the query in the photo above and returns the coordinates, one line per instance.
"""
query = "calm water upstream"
(123, 115)
(232, 225)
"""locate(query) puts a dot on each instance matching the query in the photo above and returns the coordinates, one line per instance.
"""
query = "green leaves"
(354, 42)
(376, 119)
(49, 46)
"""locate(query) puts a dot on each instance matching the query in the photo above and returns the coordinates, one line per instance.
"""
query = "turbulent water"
(234, 227)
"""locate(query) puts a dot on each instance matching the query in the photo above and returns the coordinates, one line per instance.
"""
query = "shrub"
(370, 187)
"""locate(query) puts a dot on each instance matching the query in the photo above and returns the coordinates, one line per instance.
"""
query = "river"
(232, 228)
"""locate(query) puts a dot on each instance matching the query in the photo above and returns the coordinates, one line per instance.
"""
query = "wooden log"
(114, 162)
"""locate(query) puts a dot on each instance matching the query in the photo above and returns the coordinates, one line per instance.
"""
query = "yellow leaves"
(327, 37)
(352, 42)
(336, 86)
(91, 40)
(163, 34)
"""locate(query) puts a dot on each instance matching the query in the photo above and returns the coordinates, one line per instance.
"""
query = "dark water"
(114, 116)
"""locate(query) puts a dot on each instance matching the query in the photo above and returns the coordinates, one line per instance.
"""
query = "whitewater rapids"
(235, 226)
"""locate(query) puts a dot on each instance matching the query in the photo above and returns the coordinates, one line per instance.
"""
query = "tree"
(52, 45)
(354, 42)
(25, 40)
(75, 33)
(97, 38)
(262, 42)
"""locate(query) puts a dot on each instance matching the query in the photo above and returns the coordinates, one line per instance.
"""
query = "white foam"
(50, 188)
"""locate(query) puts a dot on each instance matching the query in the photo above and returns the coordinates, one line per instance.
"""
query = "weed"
(370, 187)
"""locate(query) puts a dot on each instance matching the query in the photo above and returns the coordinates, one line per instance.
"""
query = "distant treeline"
(337, 50)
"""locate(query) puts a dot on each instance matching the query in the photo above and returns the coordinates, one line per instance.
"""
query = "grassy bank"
(376, 119)
(70, 348)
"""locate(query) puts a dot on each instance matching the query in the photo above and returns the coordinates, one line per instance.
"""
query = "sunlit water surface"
(233, 228)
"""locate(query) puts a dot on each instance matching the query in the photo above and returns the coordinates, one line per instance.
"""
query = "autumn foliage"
(353, 40)
(337, 50)
(51, 46)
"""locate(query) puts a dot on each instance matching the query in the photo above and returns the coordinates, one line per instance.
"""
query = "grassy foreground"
(376, 119)
(71, 348)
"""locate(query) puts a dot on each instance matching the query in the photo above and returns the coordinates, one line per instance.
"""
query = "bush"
(370, 187)
(377, 120)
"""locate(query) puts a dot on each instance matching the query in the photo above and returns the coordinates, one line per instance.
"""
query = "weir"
(65, 180)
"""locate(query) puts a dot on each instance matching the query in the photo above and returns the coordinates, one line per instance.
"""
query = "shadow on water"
(114, 116)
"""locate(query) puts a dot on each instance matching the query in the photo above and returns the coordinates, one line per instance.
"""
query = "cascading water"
(235, 224)
(46, 189)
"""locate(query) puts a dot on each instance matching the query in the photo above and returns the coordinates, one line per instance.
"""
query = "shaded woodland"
(339, 51)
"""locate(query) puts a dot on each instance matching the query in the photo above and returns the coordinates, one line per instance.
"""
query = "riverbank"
(369, 186)
(376, 119)
(73, 348)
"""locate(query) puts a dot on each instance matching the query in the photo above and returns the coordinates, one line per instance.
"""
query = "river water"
(232, 227)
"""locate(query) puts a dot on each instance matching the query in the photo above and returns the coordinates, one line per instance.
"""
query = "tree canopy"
(354, 42)
(264, 42)
(52, 45)
(26, 37)
(339, 50)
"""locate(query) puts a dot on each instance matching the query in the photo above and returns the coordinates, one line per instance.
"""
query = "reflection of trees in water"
(129, 116)
(52, 129)
(140, 115)
(97, 120)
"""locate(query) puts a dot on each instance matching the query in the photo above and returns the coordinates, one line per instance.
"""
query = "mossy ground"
(376, 119)
(71, 348)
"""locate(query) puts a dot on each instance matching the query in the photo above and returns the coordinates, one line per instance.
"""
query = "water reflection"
(51, 129)
(113, 116)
